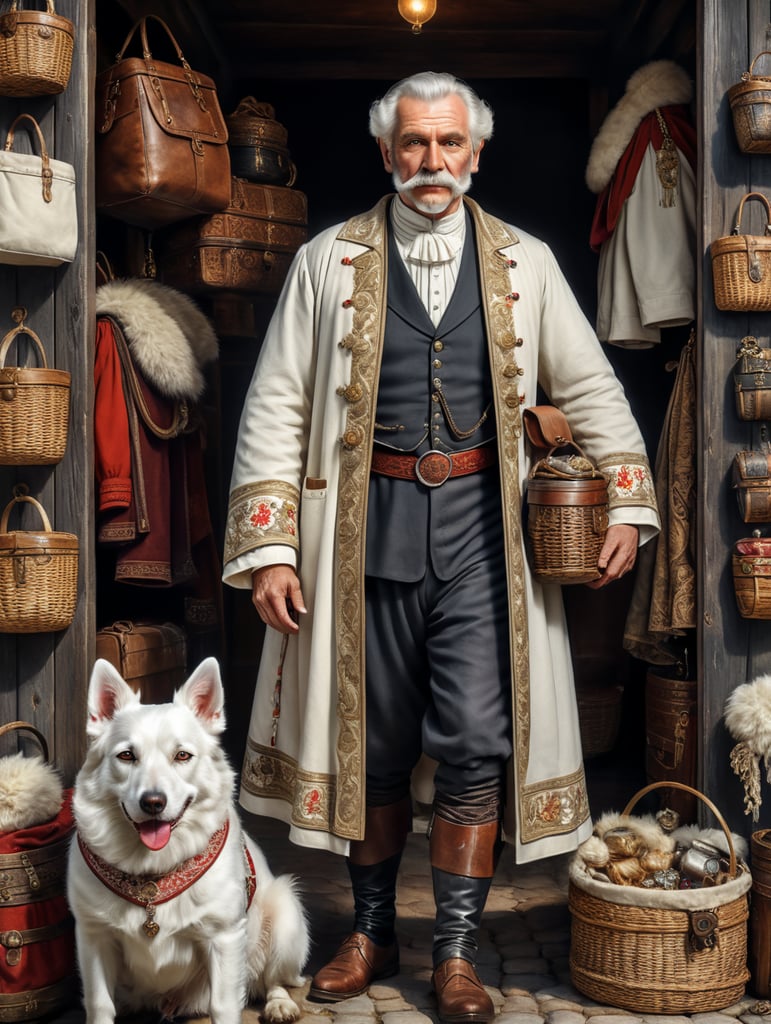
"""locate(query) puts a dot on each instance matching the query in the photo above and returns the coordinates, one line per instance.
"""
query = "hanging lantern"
(417, 12)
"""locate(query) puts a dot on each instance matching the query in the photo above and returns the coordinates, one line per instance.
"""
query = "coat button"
(438, 345)
(352, 438)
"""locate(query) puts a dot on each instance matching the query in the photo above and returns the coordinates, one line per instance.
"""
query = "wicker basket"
(38, 574)
(750, 101)
(567, 521)
(34, 408)
(35, 51)
(751, 563)
(599, 717)
(741, 265)
(637, 948)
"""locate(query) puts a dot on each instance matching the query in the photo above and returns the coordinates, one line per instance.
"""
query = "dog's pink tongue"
(155, 834)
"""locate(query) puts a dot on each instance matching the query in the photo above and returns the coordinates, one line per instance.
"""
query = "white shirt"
(431, 250)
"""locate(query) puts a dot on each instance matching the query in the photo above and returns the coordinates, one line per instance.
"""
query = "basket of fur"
(659, 912)
(37, 944)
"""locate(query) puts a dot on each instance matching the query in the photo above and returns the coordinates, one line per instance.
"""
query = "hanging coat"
(299, 496)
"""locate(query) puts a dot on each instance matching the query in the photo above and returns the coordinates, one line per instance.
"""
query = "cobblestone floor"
(524, 944)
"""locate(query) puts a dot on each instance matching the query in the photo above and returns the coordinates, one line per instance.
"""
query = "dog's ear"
(108, 692)
(204, 695)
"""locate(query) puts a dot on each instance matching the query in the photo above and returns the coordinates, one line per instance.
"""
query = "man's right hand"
(277, 596)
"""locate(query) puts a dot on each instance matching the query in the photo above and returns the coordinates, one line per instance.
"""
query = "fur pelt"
(716, 837)
(169, 337)
(30, 792)
(658, 84)
(748, 715)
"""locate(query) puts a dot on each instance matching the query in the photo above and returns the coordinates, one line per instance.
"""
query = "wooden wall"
(43, 676)
(733, 650)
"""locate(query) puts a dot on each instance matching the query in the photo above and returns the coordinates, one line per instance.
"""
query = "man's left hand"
(618, 555)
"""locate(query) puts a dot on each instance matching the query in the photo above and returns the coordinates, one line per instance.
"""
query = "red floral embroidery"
(312, 801)
(640, 475)
(263, 517)
(551, 809)
(346, 261)
(624, 479)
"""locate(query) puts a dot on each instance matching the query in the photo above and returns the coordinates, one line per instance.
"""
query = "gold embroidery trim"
(264, 512)
(492, 236)
(554, 807)
(365, 342)
(271, 774)
(629, 480)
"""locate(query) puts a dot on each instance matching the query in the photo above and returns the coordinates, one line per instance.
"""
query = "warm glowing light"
(417, 12)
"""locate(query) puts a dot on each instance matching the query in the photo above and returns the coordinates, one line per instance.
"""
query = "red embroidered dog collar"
(149, 890)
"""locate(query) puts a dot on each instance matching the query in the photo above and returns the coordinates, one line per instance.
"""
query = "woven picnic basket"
(38, 574)
(750, 102)
(567, 520)
(34, 408)
(741, 265)
(35, 51)
(657, 950)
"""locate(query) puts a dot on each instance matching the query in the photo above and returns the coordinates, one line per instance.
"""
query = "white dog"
(176, 910)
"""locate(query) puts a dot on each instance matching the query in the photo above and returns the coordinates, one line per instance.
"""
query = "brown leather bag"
(752, 482)
(151, 656)
(752, 380)
(161, 139)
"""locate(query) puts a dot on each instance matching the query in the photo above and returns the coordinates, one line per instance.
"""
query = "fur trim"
(169, 337)
(658, 84)
(686, 834)
(748, 715)
(30, 792)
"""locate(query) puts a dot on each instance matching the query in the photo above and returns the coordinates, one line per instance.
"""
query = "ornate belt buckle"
(433, 468)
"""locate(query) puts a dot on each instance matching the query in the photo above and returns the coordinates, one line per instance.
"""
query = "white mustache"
(438, 179)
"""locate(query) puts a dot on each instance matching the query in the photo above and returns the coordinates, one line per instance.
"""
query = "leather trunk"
(248, 247)
(671, 724)
(760, 918)
(151, 656)
(752, 483)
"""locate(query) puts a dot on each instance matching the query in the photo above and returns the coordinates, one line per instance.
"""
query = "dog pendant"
(149, 892)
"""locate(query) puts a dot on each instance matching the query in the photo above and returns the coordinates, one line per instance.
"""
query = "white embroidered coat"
(299, 495)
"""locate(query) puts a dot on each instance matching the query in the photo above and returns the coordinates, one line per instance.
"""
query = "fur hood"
(169, 337)
(661, 83)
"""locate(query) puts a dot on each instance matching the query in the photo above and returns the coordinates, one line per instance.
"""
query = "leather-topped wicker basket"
(751, 564)
(658, 950)
(750, 102)
(38, 574)
(35, 51)
(34, 406)
(741, 265)
(567, 521)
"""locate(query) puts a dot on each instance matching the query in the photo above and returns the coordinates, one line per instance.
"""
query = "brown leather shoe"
(357, 963)
(460, 995)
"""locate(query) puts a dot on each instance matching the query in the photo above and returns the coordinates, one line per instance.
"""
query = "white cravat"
(431, 250)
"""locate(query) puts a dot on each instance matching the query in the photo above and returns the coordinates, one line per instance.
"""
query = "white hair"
(429, 86)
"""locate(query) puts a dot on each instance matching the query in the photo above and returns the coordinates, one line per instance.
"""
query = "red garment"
(112, 454)
(612, 198)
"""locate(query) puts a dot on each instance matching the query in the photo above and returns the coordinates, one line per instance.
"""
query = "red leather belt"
(433, 467)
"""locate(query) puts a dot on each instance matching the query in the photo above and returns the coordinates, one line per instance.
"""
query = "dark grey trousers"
(438, 680)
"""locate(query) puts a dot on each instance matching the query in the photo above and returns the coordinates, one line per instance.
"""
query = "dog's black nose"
(152, 802)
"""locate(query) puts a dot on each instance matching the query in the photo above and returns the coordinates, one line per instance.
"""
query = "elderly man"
(375, 513)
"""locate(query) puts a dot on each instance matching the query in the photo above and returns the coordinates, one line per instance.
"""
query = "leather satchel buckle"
(433, 468)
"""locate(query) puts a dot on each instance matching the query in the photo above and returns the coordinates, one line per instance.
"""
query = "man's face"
(431, 145)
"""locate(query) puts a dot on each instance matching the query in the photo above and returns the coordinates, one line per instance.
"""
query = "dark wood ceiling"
(349, 39)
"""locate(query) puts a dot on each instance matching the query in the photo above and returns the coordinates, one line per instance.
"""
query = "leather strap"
(433, 468)
(468, 850)
(546, 426)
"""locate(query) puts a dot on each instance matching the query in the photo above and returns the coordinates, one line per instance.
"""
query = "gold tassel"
(667, 165)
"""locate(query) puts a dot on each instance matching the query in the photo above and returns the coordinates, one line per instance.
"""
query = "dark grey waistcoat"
(434, 392)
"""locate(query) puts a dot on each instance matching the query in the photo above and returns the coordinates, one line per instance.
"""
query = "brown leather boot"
(356, 964)
(460, 995)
